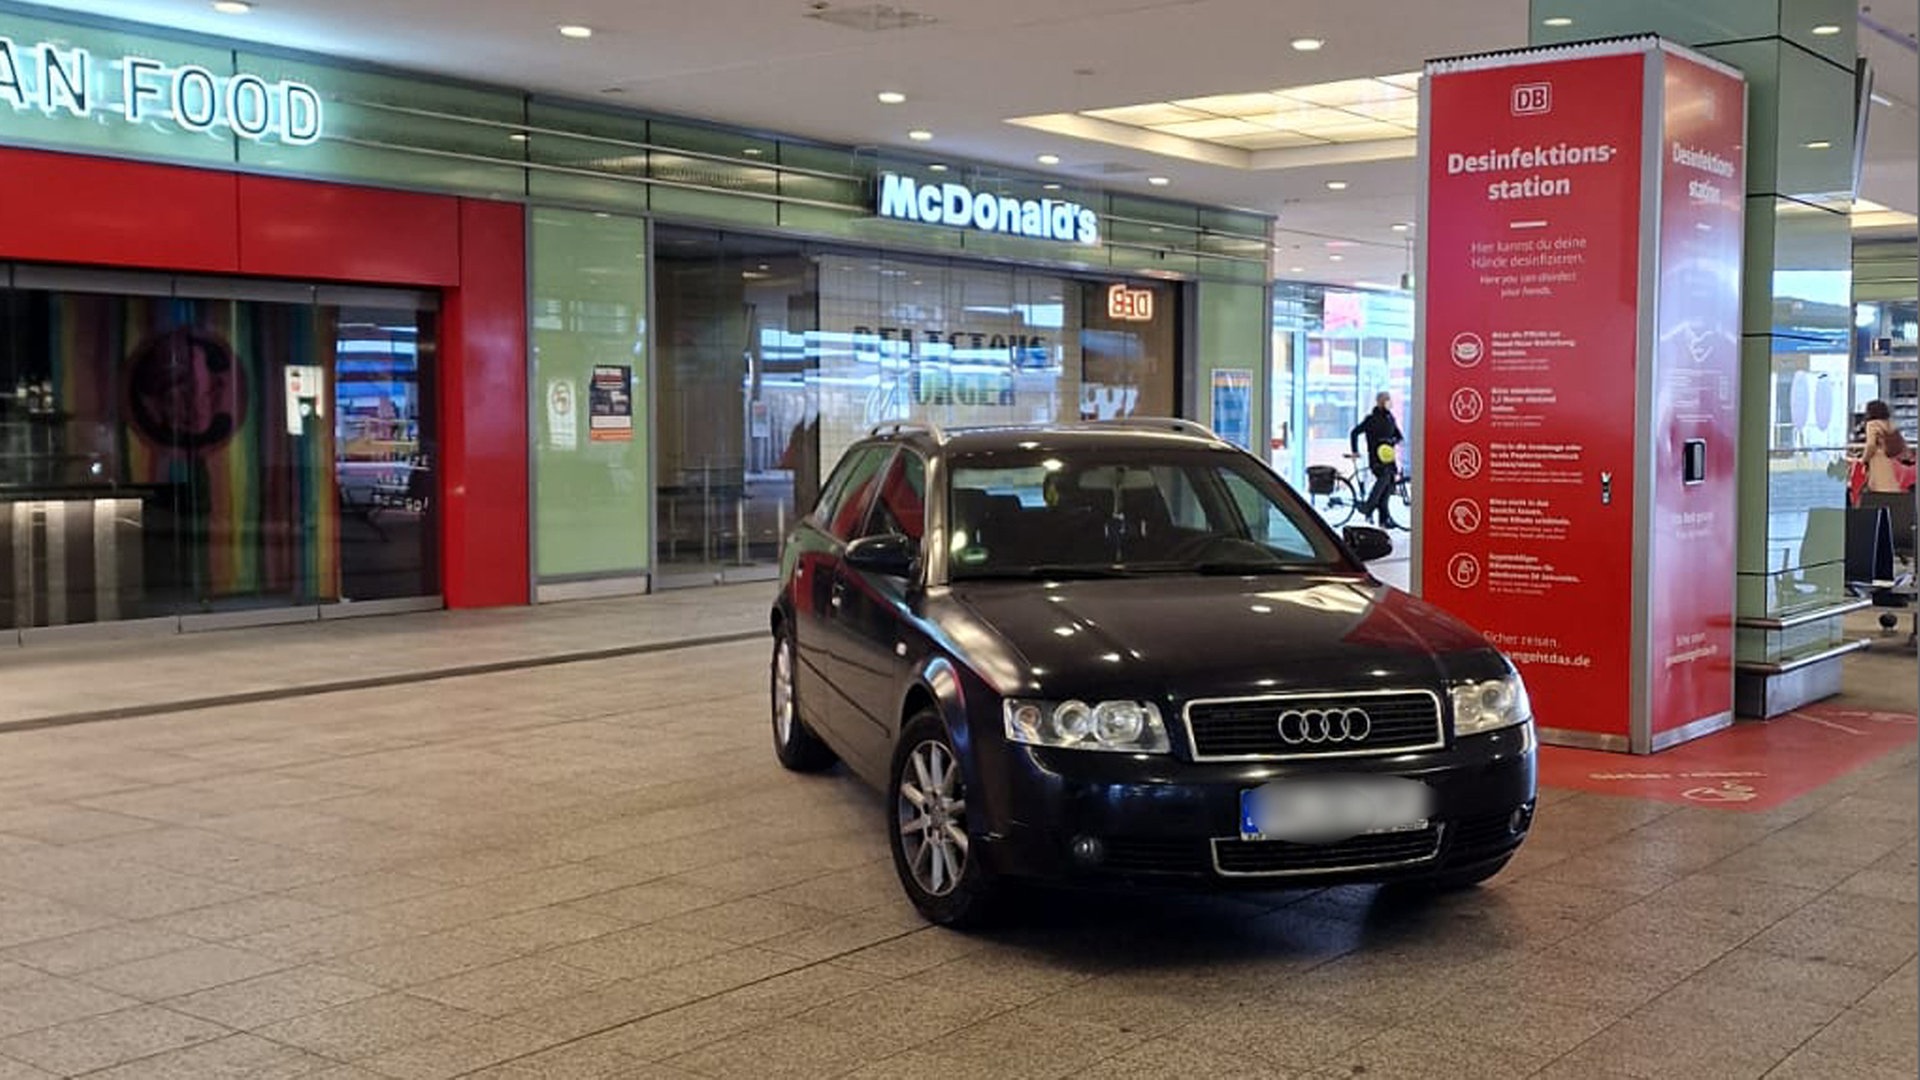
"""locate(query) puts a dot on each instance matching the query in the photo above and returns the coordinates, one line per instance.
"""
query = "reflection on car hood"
(1186, 637)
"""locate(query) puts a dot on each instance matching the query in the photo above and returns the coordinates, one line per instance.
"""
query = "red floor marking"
(1750, 766)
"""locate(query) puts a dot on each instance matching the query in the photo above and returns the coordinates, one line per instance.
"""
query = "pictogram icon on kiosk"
(1464, 571)
(1468, 350)
(1467, 406)
(1464, 516)
(1465, 460)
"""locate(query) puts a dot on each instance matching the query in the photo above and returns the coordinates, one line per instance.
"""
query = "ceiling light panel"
(1271, 140)
(1234, 104)
(1159, 112)
(1347, 92)
(1219, 128)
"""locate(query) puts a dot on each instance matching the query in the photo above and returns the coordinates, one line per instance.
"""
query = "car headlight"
(1480, 707)
(1128, 727)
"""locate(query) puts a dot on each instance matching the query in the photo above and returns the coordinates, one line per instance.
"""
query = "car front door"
(873, 611)
(816, 552)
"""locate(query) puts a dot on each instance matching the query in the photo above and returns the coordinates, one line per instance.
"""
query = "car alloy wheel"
(932, 815)
(783, 702)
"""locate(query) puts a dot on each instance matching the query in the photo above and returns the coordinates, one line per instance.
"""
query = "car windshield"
(1115, 512)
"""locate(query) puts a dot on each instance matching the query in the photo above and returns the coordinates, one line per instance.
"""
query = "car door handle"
(839, 593)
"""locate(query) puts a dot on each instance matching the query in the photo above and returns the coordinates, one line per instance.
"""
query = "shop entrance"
(211, 450)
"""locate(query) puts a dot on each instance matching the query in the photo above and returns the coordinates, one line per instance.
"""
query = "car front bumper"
(1081, 817)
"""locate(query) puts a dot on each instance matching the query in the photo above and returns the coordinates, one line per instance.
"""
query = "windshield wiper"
(1060, 571)
(1229, 568)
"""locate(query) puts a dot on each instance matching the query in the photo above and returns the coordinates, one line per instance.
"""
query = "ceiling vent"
(870, 18)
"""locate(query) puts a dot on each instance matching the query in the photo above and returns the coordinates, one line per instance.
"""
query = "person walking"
(1886, 450)
(1383, 439)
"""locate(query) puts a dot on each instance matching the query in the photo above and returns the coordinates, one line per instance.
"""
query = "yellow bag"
(1386, 454)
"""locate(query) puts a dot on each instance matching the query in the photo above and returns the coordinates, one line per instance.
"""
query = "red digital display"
(1126, 303)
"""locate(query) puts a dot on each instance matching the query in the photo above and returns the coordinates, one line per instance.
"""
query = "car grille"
(1249, 728)
(1150, 855)
(1245, 858)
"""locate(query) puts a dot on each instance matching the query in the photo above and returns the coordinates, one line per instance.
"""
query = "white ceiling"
(767, 64)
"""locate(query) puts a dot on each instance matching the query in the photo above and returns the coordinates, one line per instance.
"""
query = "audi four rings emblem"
(1318, 727)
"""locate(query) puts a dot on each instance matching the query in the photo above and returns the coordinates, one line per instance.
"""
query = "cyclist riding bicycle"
(1383, 439)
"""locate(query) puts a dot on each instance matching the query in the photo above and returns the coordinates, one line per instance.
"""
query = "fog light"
(1518, 821)
(1088, 850)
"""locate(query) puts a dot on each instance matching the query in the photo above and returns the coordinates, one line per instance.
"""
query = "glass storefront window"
(174, 447)
(1338, 348)
(775, 356)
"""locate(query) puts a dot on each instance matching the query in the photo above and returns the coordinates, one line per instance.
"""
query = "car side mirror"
(891, 555)
(1367, 542)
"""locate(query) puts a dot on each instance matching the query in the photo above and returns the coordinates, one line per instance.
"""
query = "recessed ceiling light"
(753, 151)
(1050, 187)
(919, 135)
(232, 7)
(1401, 226)
(519, 136)
(1296, 269)
(576, 31)
(1819, 144)
(1336, 185)
(1825, 30)
(1306, 44)
(936, 167)
(1556, 20)
(891, 97)
(1048, 159)
(1335, 258)
(1158, 181)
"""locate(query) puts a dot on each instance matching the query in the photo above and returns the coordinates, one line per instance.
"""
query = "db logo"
(1532, 98)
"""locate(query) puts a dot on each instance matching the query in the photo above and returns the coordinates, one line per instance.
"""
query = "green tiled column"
(1798, 57)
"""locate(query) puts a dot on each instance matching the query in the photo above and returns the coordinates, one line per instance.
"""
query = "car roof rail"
(1164, 423)
(909, 427)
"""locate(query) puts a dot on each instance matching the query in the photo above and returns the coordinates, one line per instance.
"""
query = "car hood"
(1188, 637)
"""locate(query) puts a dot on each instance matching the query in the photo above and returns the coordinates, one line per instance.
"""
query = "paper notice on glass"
(305, 401)
(610, 404)
(563, 415)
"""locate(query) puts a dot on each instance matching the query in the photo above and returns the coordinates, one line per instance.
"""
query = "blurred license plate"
(1328, 810)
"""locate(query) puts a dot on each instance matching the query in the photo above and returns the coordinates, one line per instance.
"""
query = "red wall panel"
(100, 212)
(295, 228)
(483, 514)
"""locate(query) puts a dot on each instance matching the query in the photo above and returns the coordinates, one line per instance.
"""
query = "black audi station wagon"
(1122, 653)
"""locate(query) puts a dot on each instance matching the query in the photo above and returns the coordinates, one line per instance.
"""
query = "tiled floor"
(597, 869)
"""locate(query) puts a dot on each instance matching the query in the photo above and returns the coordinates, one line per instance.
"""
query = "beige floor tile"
(370, 1027)
(327, 939)
(25, 919)
(98, 1042)
(510, 986)
(415, 960)
(20, 1070)
(173, 974)
(652, 901)
(283, 995)
(749, 921)
(924, 1062)
(45, 1002)
(540, 930)
(235, 1057)
(788, 1049)
(461, 1053)
(1809, 935)
(602, 1008)
(640, 951)
(122, 943)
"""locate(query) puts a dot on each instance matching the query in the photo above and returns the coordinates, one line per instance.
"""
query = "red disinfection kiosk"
(1579, 381)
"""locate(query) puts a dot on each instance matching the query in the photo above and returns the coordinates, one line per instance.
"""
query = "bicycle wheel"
(1405, 490)
(1337, 506)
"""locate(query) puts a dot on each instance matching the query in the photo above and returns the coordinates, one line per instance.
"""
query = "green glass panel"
(386, 128)
(821, 189)
(824, 159)
(1753, 645)
(714, 206)
(1231, 329)
(101, 82)
(1798, 270)
(589, 315)
(618, 127)
(1234, 223)
(818, 221)
(1689, 22)
(1826, 28)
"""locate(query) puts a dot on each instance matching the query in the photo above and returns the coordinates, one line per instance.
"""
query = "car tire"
(794, 743)
(928, 831)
